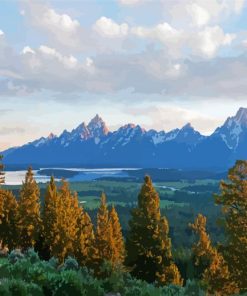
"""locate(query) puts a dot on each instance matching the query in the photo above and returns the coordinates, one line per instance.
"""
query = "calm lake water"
(16, 177)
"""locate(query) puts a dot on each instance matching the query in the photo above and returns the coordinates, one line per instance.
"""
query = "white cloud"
(1, 33)
(170, 60)
(60, 28)
(205, 42)
(164, 33)
(27, 49)
(130, 2)
(239, 5)
(208, 41)
(167, 117)
(108, 28)
(200, 13)
(64, 32)
(200, 16)
(61, 22)
(89, 62)
(67, 61)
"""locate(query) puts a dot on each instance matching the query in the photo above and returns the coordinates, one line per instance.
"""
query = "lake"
(17, 177)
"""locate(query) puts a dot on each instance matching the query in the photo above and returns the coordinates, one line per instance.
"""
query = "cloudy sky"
(159, 63)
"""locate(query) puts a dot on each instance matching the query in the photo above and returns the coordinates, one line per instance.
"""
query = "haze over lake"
(82, 174)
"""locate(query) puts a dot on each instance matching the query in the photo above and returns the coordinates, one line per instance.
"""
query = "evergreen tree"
(8, 219)
(50, 212)
(102, 235)
(167, 271)
(109, 243)
(83, 245)
(213, 268)
(65, 223)
(148, 245)
(117, 249)
(202, 249)
(29, 220)
(233, 199)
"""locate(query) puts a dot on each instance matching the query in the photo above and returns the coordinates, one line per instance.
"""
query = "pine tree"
(49, 217)
(167, 271)
(148, 245)
(83, 245)
(2, 178)
(102, 235)
(65, 223)
(202, 249)
(233, 199)
(213, 268)
(29, 220)
(8, 219)
(50, 212)
(117, 249)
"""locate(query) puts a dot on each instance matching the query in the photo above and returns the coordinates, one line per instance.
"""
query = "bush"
(93, 287)
(13, 287)
(70, 264)
(53, 262)
(193, 288)
(14, 256)
(28, 275)
(68, 283)
(114, 280)
(32, 256)
(4, 287)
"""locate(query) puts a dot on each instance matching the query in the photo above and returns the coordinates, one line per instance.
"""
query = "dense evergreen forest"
(55, 247)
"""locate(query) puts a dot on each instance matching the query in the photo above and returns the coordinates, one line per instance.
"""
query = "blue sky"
(158, 63)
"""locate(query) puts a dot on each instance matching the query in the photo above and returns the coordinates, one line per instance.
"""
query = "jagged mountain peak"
(97, 127)
(241, 116)
(232, 129)
(81, 126)
(187, 126)
(128, 126)
(51, 136)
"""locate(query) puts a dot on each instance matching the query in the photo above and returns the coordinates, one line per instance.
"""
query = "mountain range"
(94, 145)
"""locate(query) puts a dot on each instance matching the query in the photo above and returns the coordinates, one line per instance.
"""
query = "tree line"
(61, 227)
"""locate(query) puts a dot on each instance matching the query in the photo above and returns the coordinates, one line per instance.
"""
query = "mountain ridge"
(131, 145)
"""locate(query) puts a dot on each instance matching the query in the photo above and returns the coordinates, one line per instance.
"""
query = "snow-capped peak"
(241, 116)
(231, 130)
(81, 131)
(97, 127)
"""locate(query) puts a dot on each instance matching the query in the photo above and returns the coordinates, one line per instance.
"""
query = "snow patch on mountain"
(231, 131)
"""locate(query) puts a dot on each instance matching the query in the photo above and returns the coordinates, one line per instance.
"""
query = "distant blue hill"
(93, 145)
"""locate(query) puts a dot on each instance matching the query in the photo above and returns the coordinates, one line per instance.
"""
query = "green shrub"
(92, 287)
(17, 287)
(193, 288)
(70, 264)
(53, 262)
(14, 256)
(114, 280)
(19, 269)
(4, 287)
(68, 283)
(32, 256)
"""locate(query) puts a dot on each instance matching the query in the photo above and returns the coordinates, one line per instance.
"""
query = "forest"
(51, 244)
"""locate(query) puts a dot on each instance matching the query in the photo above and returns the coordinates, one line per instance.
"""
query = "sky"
(157, 63)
